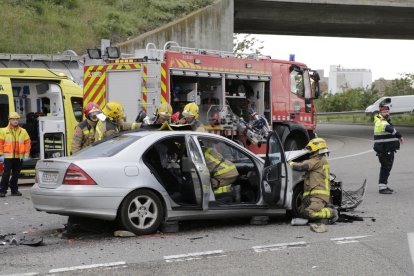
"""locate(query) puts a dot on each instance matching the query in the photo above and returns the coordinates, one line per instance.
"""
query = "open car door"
(201, 175)
(275, 186)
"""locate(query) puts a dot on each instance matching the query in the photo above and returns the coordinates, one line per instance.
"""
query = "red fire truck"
(226, 86)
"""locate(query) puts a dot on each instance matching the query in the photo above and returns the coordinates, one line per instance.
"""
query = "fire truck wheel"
(291, 144)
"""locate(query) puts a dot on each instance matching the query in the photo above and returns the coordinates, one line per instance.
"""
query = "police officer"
(317, 183)
(14, 149)
(190, 116)
(386, 142)
(111, 121)
(85, 131)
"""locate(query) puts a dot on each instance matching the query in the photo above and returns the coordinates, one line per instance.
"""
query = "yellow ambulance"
(50, 105)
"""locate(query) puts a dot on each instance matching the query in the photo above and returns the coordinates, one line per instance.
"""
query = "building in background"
(342, 79)
(323, 83)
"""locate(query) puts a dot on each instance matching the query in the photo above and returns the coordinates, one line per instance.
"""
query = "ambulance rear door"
(52, 129)
(6, 101)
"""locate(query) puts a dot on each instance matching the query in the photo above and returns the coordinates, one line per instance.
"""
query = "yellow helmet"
(14, 115)
(191, 110)
(164, 110)
(114, 110)
(317, 145)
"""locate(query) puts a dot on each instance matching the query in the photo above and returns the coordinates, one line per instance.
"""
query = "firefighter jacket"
(84, 135)
(386, 137)
(196, 125)
(317, 182)
(14, 142)
(222, 171)
(108, 127)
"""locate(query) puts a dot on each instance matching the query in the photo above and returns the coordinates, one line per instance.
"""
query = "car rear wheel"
(141, 212)
(296, 201)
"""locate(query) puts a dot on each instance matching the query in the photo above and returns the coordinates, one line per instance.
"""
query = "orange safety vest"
(14, 142)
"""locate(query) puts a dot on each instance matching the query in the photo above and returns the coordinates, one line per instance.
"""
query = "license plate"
(49, 177)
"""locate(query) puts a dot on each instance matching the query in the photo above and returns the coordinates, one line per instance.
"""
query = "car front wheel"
(141, 212)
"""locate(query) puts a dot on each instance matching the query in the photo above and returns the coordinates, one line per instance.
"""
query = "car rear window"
(109, 147)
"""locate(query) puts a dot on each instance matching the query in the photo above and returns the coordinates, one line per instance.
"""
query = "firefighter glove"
(1, 158)
(25, 158)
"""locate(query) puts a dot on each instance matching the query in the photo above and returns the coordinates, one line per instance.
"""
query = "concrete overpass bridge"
(390, 19)
(213, 27)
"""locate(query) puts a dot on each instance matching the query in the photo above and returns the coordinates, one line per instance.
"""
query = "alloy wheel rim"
(142, 212)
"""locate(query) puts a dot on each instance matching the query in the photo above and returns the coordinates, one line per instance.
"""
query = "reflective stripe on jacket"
(317, 182)
(84, 135)
(14, 142)
(386, 137)
(380, 134)
(107, 128)
(224, 189)
(222, 171)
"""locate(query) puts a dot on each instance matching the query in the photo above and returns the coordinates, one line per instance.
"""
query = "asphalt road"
(379, 245)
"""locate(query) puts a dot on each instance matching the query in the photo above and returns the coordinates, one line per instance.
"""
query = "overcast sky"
(385, 58)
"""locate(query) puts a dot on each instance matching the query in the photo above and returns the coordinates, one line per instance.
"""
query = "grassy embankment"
(52, 26)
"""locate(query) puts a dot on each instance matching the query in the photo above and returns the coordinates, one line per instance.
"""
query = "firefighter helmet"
(14, 115)
(114, 110)
(317, 145)
(164, 110)
(91, 107)
(191, 110)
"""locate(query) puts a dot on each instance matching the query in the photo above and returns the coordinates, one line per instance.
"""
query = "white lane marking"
(348, 239)
(410, 237)
(21, 274)
(279, 246)
(72, 268)
(194, 256)
(351, 155)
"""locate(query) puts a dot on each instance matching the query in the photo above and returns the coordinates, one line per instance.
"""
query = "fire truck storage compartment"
(124, 86)
(34, 99)
(248, 92)
(203, 91)
(240, 92)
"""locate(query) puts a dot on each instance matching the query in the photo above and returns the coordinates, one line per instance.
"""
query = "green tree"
(246, 43)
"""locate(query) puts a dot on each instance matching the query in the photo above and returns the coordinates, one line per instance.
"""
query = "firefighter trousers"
(315, 208)
(12, 166)
(386, 160)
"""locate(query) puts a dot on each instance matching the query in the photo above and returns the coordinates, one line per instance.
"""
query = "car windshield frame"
(108, 147)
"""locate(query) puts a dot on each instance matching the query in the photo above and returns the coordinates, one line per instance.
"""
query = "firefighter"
(190, 116)
(111, 121)
(386, 142)
(223, 174)
(85, 131)
(14, 149)
(163, 114)
(317, 183)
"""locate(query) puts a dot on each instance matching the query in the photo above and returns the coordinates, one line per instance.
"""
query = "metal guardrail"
(341, 112)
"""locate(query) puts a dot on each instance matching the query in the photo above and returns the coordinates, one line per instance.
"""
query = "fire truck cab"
(230, 89)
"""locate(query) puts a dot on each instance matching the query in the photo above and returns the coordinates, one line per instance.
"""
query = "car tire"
(291, 144)
(296, 201)
(141, 212)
